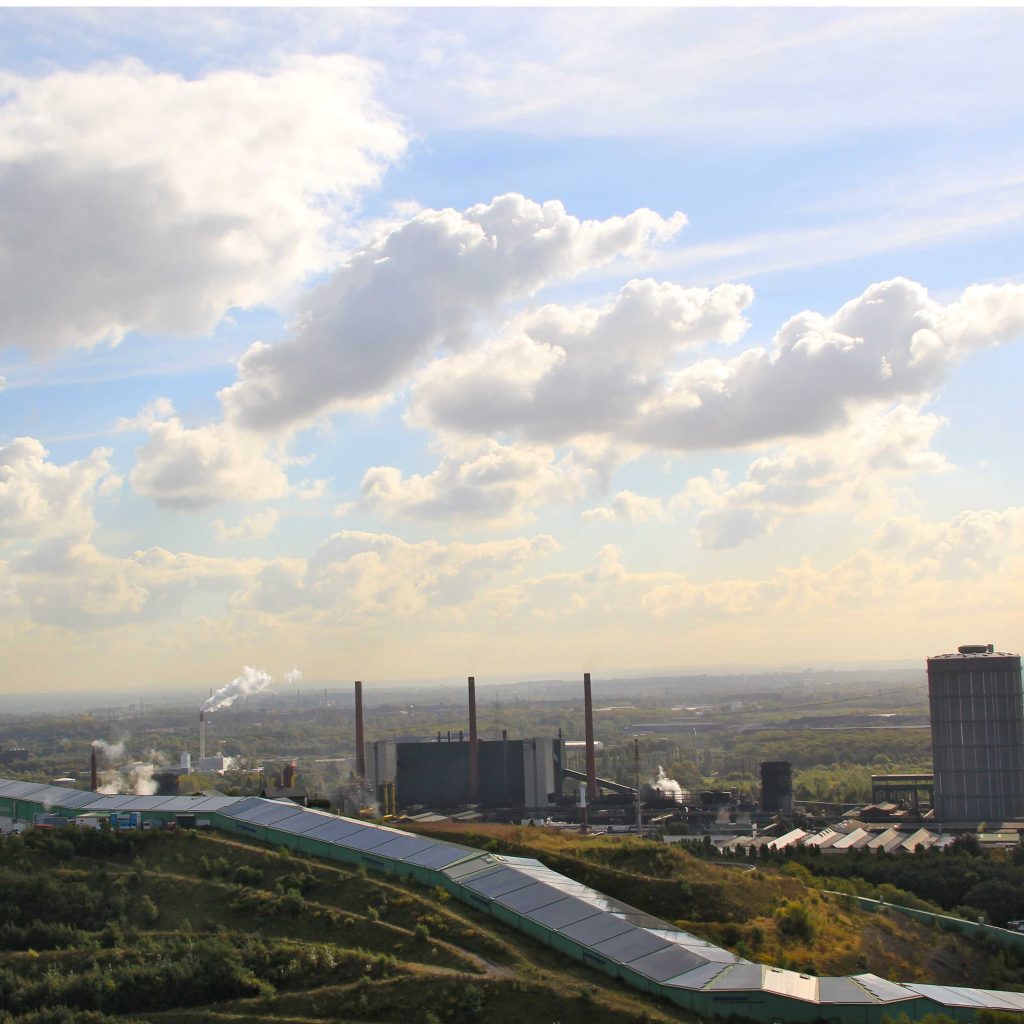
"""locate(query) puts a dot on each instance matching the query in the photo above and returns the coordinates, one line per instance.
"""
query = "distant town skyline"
(411, 343)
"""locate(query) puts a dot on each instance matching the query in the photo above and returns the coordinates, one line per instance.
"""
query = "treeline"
(962, 879)
(807, 748)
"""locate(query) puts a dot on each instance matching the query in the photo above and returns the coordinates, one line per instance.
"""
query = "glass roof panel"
(630, 946)
(596, 929)
(535, 895)
(568, 910)
(666, 963)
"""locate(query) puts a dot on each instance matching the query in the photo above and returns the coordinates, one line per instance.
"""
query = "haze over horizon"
(411, 343)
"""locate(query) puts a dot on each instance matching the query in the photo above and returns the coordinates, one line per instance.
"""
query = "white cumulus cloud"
(254, 527)
(39, 498)
(423, 284)
(561, 373)
(850, 469)
(132, 199)
(375, 574)
(627, 506)
(190, 468)
(485, 483)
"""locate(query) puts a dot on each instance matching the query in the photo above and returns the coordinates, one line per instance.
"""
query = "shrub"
(795, 922)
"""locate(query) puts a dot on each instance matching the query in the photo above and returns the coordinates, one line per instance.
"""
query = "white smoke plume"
(111, 782)
(133, 778)
(293, 677)
(669, 788)
(141, 781)
(252, 680)
(110, 752)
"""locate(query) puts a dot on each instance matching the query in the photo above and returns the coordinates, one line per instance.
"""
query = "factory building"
(512, 773)
(977, 718)
(776, 787)
(523, 774)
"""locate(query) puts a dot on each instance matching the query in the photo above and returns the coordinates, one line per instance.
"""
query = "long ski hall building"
(606, 935)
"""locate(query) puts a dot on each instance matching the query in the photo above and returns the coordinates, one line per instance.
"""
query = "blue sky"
(413, 343)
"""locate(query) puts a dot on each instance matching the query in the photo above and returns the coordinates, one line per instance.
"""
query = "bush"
(794, 921)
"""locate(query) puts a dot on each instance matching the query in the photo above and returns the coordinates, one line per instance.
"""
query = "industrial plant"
(977, 723)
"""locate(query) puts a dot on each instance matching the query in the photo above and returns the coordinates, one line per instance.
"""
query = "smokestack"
(474, 764)
(360, 751)
(202, 736)
(94, 772)
(588, 714)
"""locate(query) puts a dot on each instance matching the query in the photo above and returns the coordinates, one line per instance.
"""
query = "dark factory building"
(777, 787)
(512, 773)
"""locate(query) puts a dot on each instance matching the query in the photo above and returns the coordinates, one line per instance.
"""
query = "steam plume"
(669, 788)
(111, 751)
(293, 677)
(252, 680)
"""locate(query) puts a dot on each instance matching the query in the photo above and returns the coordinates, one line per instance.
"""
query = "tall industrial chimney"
(202, 736)
(474, 763)
(360, 747)
(94, 772)
(588, 714)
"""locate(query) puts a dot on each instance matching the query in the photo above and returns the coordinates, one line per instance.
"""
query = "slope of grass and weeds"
(186, 926)
(768, 912)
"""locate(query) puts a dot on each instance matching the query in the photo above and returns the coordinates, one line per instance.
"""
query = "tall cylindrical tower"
(977, 715)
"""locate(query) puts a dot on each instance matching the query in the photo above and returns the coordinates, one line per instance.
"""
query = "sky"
(417, 343)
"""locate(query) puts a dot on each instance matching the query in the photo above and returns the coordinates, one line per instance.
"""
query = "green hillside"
(774, 913)
(189, 927)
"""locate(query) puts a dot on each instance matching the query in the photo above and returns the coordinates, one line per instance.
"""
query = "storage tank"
(977, 716)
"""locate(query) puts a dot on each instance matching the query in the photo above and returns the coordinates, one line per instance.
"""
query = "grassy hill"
(771, 914)
(189, 927)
